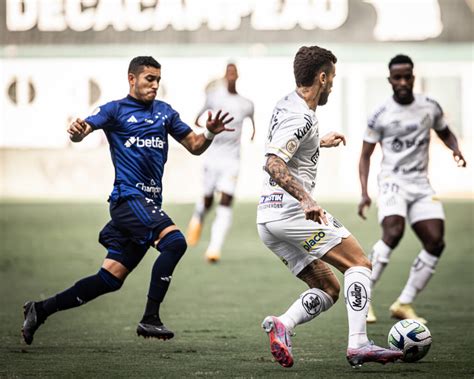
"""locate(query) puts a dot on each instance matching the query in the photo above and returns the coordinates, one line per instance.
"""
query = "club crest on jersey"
(155, 142)
(291, 146)
(310, 243)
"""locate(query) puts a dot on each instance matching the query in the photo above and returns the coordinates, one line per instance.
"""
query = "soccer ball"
(412, 337)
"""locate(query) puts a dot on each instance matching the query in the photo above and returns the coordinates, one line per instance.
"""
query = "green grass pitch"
(215, 311)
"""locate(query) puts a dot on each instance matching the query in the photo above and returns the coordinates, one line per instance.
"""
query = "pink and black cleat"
(280, 341)
(371, 353)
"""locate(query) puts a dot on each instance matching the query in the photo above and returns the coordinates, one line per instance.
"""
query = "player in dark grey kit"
(137, 128)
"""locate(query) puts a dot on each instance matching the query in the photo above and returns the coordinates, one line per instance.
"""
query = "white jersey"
(294, 137)
(226, 145)
(404, 134)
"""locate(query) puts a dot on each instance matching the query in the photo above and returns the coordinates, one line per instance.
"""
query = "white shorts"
(221, 177)
(298, 242)
(415, 200)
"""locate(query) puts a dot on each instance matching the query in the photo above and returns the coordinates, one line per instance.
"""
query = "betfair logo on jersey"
(312, 241)
(155, 142)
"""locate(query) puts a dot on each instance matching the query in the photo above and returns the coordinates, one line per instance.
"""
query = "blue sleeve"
(177, 128)
(103, 117)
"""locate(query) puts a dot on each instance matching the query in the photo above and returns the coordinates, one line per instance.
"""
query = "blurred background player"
(402, 126)
(301, 233)
(221, 162)
(137, 129)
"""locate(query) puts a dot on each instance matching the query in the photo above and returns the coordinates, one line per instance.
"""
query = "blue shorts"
(136, 223)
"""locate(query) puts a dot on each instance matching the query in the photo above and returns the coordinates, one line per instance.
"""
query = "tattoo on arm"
(280, 173)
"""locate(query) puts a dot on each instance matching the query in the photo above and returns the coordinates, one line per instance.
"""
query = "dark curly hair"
(136, 64)
(400, 59)
(309, 61)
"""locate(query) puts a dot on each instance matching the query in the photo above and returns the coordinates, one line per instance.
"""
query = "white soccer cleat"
(280, 340)
(213, 256)
(403, 311)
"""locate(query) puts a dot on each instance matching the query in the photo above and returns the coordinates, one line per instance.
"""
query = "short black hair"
(400, 59)
(308, 61)
(136, 64)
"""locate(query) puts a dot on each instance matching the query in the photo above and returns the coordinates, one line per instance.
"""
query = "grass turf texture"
(215, 310)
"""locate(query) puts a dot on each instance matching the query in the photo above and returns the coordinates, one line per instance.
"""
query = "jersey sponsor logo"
(356, 296)
(300, 133)
(272, 198)
(310, 243)
(155, 142)
(151, 189)
(418, 167)
(399, 144)
(132, 119)
(311, 304)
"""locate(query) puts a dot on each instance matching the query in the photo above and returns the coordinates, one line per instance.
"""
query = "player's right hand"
(77, 130)
(364, 204)
(313, 211)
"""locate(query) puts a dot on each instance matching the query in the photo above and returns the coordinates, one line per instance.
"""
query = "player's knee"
(173, 241)
(112, 282)
(435, 247)
(393, 234)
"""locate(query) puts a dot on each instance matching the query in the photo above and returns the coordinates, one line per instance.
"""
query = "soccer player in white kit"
(221, 163)
(298, 230)
(402, 126)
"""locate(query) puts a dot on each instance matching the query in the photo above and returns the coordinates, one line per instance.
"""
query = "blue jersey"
(138, 139)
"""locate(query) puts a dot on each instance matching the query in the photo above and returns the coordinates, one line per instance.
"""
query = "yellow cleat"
(403, 311)
(193, 234)
(213, 256)
(371, 317)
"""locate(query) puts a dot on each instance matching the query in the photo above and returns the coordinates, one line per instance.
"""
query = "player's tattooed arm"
(280, 173)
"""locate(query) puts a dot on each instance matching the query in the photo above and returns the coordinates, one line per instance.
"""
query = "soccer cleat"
(280, 340)
(403, 311)
(213, 256)
(371, 317)
(31, 323)
(371, 353)
(193, 234)
(154, 331)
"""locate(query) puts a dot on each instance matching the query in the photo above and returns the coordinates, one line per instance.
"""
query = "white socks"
(421, 272)
(199, 211)
(380, 257)
(310, 304)
(220, 227)
(357, 294)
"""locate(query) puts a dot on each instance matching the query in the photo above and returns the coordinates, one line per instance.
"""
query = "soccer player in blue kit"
(137, 128)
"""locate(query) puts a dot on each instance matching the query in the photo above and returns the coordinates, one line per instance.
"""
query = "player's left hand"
(332, 139)
(458, 157)
(218, 124)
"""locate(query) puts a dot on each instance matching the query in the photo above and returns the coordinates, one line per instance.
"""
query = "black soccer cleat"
(31, 323)
(154, 331)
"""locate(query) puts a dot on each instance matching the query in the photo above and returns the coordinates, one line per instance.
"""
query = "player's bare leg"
(193, 233)
(431, 234)
(393, 228)
(349, 258)
(220, 228)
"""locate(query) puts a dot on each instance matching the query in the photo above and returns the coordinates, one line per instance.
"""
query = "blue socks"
(172, 248)
(80, 293)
